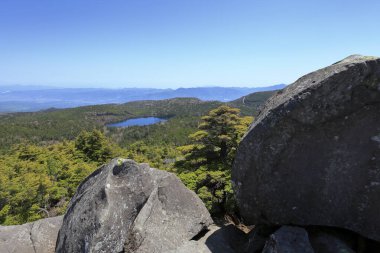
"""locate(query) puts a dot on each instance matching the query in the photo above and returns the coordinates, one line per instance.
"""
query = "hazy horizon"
(135, 87)
(35, 98)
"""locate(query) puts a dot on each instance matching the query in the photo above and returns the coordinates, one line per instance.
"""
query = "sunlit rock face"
(312, 157)
(129, 207)
(35, 237)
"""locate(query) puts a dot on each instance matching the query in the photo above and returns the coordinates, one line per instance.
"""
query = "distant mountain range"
(35, 98)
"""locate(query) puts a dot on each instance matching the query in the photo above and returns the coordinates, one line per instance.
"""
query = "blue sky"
(172, 43)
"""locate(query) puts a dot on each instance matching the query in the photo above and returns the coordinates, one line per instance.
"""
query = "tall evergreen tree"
(208, 159)
(217, 139)
(94, 146)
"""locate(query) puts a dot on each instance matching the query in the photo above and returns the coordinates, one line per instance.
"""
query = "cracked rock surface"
(36, 237)
(312, 156)
(129, 207)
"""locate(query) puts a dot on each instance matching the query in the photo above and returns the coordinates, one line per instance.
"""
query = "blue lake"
(137, 122)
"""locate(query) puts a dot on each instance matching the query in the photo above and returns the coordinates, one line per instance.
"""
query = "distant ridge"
(34, 98)
(252, 103)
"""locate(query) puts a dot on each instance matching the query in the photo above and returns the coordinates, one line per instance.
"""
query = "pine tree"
(217, 139)
(206, 167)
(94, 146)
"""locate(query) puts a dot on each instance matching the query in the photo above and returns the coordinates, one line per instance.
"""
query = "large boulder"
(130, 207)
(312, 157)
(36, 237)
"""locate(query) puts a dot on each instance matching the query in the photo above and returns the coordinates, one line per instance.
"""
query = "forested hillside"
(57, 125)
(45, 155)
(250, 104)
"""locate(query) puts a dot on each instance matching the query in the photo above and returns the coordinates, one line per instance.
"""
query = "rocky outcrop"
(36, 237)
(130, 207)
(312, 157)
(127, 207)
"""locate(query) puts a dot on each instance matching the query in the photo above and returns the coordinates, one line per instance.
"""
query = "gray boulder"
(312, 157)
(36, 237)
(288, 240)
(130, 207)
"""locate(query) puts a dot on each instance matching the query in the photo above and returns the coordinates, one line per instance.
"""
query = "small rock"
(226, 239)
(36, 237)
(289, 240)
(332, 240)
(257, 238)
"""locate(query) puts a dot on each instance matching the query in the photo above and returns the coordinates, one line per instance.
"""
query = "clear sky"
(179, 43)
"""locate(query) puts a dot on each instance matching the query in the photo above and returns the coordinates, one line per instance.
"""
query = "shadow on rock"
(226, 239)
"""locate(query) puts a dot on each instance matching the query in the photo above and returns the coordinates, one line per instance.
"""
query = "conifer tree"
(206, 167)
(94, 146)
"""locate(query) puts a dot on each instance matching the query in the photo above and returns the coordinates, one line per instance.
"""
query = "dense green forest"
(45, 155)
(38, 180)
(57, 125)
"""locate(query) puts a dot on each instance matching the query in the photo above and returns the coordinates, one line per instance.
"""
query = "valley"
(59, 124)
